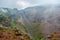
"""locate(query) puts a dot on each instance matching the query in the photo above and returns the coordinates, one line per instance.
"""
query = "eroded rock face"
(13, 35)
(54, 36)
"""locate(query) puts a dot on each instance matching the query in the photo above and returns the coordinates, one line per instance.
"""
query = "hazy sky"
(26, 3)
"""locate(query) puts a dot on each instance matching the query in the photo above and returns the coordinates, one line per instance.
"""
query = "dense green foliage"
(9, 21)
(36, 31)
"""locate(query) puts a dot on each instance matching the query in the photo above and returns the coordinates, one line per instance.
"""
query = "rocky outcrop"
(12, 35)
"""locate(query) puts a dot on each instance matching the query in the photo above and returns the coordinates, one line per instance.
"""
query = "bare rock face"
(54, 36)
(12, 35)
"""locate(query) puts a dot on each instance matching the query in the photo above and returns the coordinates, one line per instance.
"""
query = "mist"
(21, 4)
(36, 16)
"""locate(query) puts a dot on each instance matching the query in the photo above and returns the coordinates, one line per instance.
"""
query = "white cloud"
(29, 3)
(26, 3)
(23, 4)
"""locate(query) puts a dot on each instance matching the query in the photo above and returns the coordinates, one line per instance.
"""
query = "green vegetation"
(36, 31)
(24, 27)
(7, 23)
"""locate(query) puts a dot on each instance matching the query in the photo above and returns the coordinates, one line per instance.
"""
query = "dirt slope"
(12, 35)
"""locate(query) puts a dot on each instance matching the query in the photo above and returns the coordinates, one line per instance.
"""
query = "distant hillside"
(48, 16)
(39, 19)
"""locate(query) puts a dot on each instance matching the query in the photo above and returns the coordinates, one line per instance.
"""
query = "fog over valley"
(36, 18)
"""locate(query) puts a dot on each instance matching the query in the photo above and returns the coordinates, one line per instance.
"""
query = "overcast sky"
(26, 3)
